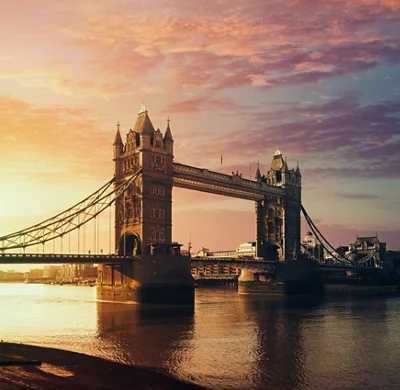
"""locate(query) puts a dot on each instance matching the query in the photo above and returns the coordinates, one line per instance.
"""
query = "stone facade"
(144, 212)
(278, 217)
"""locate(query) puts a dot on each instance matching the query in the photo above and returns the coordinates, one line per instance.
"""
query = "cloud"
(203, 104)
(339, 138)
(245, 44)
(356, 196)
(51, 143)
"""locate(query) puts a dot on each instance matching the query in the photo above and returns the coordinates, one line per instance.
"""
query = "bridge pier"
(154, 279)
(292, 277)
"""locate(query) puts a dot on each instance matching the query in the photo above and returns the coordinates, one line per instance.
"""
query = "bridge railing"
(61, 256)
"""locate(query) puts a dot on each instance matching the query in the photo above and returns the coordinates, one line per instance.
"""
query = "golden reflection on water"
(231, 340)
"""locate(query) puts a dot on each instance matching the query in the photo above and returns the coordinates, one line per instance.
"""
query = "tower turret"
(285, 172)
(118, 150)
(144, 128)
(168, 140)
(258, 176)
(297, 173)
(118, 145)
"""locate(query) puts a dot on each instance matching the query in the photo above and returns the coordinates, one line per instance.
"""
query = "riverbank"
(64, 370)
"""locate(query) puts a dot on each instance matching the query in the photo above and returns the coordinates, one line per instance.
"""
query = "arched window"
(271, 213)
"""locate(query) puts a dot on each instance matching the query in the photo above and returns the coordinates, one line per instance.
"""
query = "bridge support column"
(149, 279)
(260, 228)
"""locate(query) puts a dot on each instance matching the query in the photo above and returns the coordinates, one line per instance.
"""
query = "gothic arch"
(129, 244)
(272, 251)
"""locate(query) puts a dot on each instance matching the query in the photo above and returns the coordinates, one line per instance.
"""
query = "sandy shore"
(69, 370)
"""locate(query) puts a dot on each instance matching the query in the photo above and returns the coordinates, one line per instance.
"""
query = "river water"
(232, 340)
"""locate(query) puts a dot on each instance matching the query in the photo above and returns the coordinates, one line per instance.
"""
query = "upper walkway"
(201, 179)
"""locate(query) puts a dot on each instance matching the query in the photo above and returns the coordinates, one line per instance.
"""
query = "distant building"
(51, 271)
(245, 249)
(36, 273)
(364, 246)
(361, 249)
(311, 247)
(14, 276)
(86, 271)
(67, 272)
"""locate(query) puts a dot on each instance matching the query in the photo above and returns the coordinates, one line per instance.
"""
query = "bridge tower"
(143, 215)
(278, 217)
(154, 270)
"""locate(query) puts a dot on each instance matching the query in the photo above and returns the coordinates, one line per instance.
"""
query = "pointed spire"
(298, 170)
(277, 163)
(168, 134)
(286, 169)
(118, 139)
(143, 108)
(143, 123)
(258, 173)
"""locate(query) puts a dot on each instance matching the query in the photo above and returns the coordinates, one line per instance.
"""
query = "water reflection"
(279, 356)
(150, 336)
(349, 346)
(232, 340)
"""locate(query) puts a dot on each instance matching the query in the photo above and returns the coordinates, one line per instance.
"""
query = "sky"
(320, 80)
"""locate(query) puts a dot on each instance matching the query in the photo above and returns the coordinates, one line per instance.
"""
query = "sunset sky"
(320, 80)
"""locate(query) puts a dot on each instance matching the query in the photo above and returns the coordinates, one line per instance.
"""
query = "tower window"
(158, 143)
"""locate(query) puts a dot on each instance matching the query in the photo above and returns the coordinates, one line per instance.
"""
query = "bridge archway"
(129, 244)
(272, 251)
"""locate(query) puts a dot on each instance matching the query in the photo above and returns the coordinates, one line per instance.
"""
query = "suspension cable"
(330, 249)
(68, 220)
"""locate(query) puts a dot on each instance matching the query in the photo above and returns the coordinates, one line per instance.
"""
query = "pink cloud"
(48, 141)
(217, 49)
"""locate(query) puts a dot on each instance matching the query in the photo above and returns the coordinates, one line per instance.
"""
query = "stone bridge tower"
(278, 217)
(143, 214)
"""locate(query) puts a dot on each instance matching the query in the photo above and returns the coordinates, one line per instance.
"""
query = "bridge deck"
(30, 258)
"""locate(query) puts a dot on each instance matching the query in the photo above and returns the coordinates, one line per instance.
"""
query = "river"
(232, 340)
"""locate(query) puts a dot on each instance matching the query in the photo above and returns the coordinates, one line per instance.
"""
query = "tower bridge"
(146, 262)
(144, 213)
